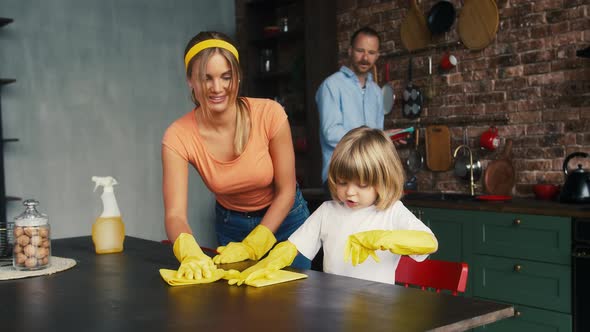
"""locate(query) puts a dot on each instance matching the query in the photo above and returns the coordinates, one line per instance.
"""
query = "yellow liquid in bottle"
(108, 234)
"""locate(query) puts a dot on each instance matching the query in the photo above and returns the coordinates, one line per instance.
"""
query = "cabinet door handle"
(516, 221)
(517, 268)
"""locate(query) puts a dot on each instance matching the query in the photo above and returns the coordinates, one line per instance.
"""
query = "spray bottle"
(108, 231)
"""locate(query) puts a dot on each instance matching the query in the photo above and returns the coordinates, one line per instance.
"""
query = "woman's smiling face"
(216, 90)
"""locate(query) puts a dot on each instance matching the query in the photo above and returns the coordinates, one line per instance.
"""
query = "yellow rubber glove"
(282, 255)
(402, 242)
(253, 247)
(194, 264)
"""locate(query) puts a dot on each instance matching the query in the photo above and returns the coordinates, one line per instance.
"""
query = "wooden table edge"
(477, 321)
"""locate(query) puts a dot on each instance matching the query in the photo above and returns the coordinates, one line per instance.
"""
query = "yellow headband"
(198, 47)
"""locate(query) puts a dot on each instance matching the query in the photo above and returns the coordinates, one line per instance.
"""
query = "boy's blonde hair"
(368, 156)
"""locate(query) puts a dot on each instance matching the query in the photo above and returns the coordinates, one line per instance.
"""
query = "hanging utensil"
(441, 17)
(414, 30)
(387, 90)
(430, 91)
(438, 147)
(499, 175)
(412, 97)
(415, 159)
(374, 72)
(478, 23)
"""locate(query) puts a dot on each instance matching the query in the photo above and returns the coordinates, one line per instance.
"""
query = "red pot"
(546, 192)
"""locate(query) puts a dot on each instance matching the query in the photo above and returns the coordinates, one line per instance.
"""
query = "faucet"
(471, 182)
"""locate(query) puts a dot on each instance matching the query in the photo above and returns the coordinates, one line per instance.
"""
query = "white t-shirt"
(331, 224)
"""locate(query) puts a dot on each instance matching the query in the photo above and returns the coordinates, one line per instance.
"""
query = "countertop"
(515, 205)
(124, 292)
(315, 196)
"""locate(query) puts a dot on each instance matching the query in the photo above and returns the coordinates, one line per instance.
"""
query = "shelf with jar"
(287, 48)
(3, 196)
(4, 229)
(275, 38)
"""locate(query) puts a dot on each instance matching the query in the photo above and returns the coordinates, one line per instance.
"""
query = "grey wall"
(97, 84)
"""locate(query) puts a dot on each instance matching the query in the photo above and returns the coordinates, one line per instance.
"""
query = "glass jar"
(32, 242)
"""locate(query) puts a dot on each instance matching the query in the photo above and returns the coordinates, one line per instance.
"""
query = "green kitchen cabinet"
(525, 260)
(519, 281)
(450, 230)
(539, 238)
(531, 319)
(522, 259)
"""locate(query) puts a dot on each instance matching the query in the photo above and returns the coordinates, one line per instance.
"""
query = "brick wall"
(528, 83)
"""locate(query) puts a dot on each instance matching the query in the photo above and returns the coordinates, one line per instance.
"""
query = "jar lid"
(31, 217)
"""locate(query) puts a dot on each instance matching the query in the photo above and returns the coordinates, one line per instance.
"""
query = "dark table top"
(124, 292)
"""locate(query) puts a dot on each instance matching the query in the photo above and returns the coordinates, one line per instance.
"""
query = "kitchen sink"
(439, 196)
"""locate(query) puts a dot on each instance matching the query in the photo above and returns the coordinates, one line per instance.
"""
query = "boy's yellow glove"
(282, 255)
(194, 264)
(402, 242)
(253, 247)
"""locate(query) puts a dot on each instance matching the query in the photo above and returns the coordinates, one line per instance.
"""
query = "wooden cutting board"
(438, 148)
(499, 176)
(414, 30)
(478, 23)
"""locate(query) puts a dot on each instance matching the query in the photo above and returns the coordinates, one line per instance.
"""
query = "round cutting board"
(499, 175)
(478, 23)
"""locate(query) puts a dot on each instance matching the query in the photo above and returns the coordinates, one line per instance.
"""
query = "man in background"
(350, 98)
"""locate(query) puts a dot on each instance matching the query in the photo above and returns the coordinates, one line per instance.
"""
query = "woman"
(243, 150)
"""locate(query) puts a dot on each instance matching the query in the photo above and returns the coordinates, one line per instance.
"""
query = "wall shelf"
(4, 21)
(3, 218)
(296, 68)
(453, 121)
(279, 37)
(6, 81)
(444, 46)
(267, 3)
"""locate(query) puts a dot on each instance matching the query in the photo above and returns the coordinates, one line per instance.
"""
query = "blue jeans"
(233, 227)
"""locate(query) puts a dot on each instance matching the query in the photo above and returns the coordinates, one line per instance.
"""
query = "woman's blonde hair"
(201, 59)
(368, 156)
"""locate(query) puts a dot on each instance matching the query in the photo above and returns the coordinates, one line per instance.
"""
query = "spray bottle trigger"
(95, 179)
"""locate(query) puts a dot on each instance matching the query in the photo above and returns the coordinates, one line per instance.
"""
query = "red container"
(271, 31)
(546, 192)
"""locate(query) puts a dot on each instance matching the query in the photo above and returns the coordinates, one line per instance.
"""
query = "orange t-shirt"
(242, 184)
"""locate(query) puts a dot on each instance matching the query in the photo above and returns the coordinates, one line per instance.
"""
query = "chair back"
(436, 274)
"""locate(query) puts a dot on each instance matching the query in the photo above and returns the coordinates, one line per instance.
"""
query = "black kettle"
(577, 184)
